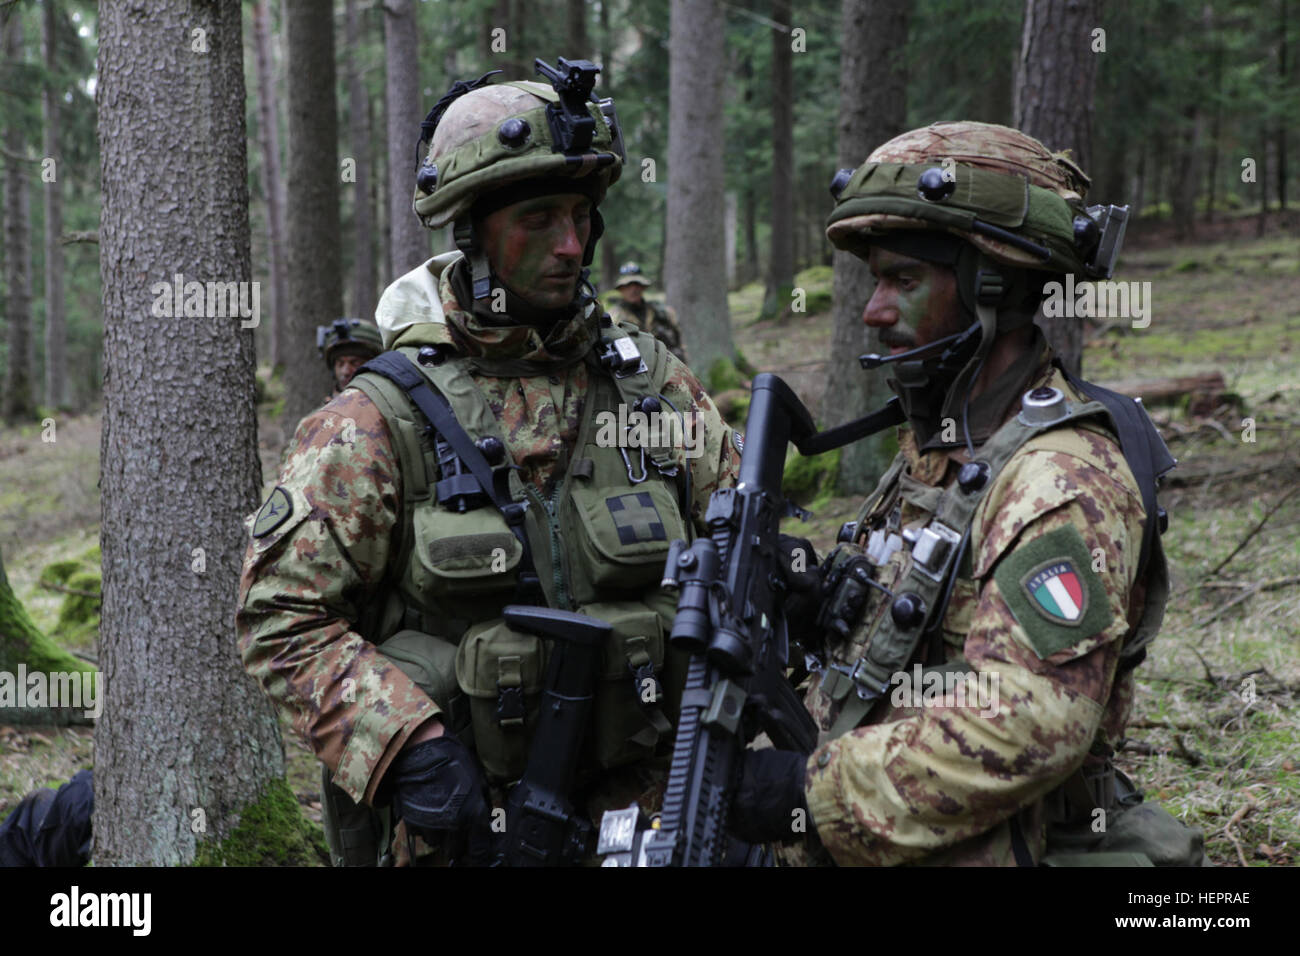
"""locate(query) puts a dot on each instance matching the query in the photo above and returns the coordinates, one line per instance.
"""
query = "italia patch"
(738, 441)
(1053, 592)
(636, 519)
(275, 511)
(1057, 592)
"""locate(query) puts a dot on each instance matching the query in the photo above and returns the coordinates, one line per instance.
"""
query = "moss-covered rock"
(271, 832)
(59, 571)
(80, 607)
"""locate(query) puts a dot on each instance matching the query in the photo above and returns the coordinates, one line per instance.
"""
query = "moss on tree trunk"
(21, 641)
(272, 832)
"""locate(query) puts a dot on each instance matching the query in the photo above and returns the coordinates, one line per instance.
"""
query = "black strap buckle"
(510, 706)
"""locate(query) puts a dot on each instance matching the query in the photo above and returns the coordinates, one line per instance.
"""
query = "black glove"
(770, 791)
(440, 792)
(798, 568)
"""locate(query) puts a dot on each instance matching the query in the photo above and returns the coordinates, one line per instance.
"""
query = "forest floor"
(1216, 733)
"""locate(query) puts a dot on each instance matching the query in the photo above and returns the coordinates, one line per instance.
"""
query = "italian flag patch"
(1057, 591)
(1050, 586)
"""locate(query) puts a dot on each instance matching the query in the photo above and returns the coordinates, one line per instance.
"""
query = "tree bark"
(19, 397)
(1281, 126)
(608, 244)
(873, 103)
(315, 260)
(780, 270)
(268, 122)
(1055, 78)
(694, 270)
(186, 740)
(409, 239)
(363, 213)
(56, 336)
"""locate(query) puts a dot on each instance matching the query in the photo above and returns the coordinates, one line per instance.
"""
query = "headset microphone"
(874, 360)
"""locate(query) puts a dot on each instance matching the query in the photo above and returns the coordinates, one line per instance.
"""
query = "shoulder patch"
(1053, 592)
(738, 440)
(275, 511)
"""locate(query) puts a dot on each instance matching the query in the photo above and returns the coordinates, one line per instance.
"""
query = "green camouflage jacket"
(936, 779)
(305, 580)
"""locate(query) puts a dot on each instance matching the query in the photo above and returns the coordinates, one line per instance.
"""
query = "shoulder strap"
(1145, 451)
(400, 369)
(636, 380)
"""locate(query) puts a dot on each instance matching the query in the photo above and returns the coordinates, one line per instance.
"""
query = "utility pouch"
(468, 554)
(503, 672)
(627, 713)
(430, 662)
(1136, 834)
(624, 534)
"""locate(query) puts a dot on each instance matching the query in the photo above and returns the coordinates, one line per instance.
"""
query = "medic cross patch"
(1056, 597)
(636, 519)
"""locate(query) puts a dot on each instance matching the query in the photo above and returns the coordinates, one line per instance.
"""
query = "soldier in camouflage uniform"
(635, 309)
(346, 346)
(371, 595)
(984, 740)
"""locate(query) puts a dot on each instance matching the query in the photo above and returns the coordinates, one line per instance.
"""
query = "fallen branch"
(83, 235)
(1227, 831)
(1253, 531)
(1163, 725)
(64, 589)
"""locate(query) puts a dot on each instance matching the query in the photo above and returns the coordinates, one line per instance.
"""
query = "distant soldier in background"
(347, 345)
(635, 309)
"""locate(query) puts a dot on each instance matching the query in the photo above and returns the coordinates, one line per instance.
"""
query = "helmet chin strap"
(933, 389)
(480, 269)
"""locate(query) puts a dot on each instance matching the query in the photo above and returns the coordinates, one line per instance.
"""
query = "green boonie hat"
(629, 273)
(973, 180)
(348, 335)
(496, 135)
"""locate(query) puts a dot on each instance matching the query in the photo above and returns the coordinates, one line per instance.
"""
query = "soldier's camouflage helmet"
(348, 336)
(499, 134)
(629, 273)
(997, 188)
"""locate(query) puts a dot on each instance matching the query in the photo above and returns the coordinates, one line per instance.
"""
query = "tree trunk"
(576, 28)
(19, 397)
(315, 261)
(268, 121)
(1182, 200)
(56, 336)
(751, 237)
(780, 269)
(873, 105)
(608, 245)
(1282, 125)
(409, 239)
(186, 740)
(694, 268)
(363, 213)
(1055, 77)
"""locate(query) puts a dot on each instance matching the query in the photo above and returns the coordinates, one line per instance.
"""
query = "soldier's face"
(535, 247)
(632, 292)
(915, 302)
(345, 366)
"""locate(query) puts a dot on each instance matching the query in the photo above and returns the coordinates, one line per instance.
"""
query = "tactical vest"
(596, 545)
(936, 563)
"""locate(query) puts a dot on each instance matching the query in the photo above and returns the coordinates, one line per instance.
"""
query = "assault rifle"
(730, 618)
